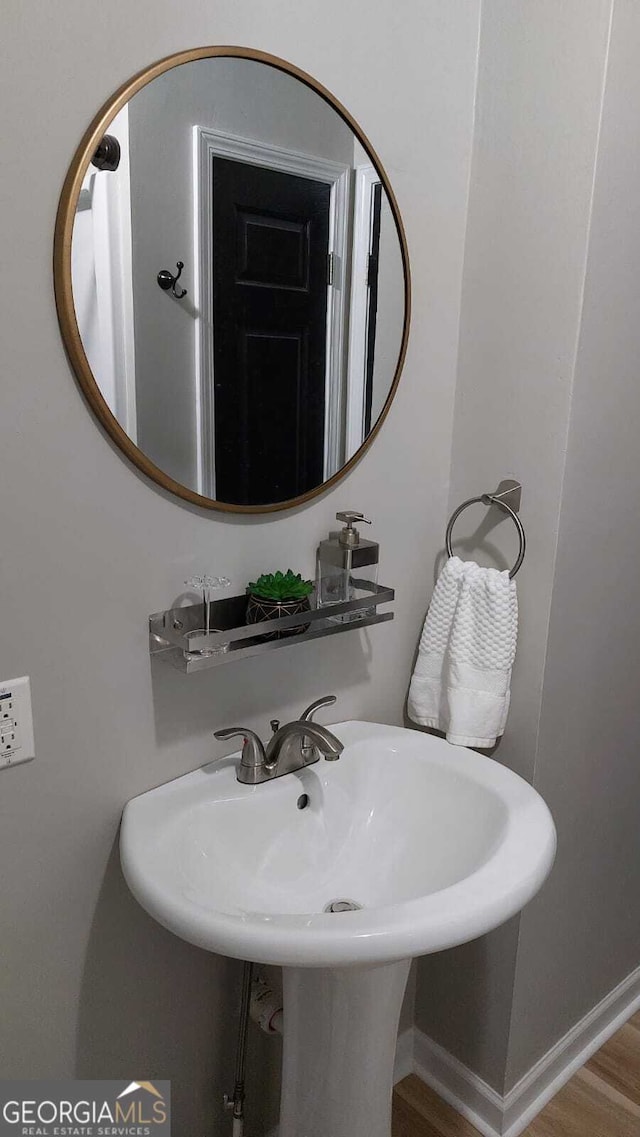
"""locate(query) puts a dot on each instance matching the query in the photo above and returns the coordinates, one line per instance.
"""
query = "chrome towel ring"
(505, 489)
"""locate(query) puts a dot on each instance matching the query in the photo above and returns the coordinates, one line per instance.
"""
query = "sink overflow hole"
(342, 906)
(303, 801)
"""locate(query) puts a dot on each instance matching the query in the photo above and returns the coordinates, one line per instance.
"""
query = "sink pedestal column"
(340, 1029)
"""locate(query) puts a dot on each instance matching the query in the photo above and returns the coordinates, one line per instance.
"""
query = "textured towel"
(461, 681)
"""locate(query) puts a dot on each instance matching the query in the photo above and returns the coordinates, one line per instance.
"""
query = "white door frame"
(209, 144)
(366, 178)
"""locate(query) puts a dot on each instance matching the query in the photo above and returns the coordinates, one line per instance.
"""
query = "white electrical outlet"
(16, 722)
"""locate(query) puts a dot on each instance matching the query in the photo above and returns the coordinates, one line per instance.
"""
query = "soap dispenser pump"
(345, 559)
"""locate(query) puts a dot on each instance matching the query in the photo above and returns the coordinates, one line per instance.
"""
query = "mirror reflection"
(238, 280)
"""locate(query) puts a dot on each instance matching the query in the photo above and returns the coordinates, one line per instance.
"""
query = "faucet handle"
(325, 701)
(253, 754)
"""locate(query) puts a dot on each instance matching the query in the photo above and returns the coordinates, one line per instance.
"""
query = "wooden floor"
(601, 1100)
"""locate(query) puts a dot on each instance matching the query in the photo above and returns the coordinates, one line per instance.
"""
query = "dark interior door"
(270, 241)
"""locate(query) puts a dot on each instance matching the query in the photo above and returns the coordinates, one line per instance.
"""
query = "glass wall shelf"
(176, 636)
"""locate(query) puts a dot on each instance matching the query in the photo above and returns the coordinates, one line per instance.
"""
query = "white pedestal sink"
(437, 844)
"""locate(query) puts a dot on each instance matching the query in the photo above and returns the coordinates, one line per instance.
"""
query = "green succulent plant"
(281, 586)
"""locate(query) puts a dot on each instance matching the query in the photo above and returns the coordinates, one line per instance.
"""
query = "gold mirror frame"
(63, 282)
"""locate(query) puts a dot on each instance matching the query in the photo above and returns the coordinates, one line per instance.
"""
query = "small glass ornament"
(205, 585)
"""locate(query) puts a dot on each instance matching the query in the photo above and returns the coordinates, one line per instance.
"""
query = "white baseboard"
(458, 1085)
(560, 1063)
(508, 1116)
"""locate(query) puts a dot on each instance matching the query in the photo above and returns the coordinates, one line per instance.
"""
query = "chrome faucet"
(292, 746)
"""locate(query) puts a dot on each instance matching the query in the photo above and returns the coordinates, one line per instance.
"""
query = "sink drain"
(342, 906)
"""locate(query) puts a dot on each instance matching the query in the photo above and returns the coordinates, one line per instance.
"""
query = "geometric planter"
(259, 609)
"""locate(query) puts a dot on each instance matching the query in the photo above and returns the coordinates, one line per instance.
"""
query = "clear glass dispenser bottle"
(344, 560)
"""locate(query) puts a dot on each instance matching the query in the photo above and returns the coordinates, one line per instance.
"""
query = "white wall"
(538, 105)
(90, 548)
(101, 270)
(101, 277)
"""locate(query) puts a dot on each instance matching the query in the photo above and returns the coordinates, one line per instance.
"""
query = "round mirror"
(232, 279)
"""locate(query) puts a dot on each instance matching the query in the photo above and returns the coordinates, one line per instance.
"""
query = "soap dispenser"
(345, 559)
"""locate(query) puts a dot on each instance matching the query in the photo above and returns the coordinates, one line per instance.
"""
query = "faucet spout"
(299, 731)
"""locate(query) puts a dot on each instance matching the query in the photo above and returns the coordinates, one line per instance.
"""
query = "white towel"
(461, 682)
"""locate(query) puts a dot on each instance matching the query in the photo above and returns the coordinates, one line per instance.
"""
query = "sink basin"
(437, 844)
(419, 846)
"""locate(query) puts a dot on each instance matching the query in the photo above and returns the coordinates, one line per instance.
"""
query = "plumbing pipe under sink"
(261, 1003)
(265, 1008)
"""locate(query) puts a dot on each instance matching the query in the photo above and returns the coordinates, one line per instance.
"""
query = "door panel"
(272, 251)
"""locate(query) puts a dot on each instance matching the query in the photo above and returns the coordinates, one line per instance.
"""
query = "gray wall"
(88, 983)
(548, 392)
(582, 938)
(538, 101)
(539, 85)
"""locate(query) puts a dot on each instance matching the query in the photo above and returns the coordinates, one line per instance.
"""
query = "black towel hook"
(167, 281)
